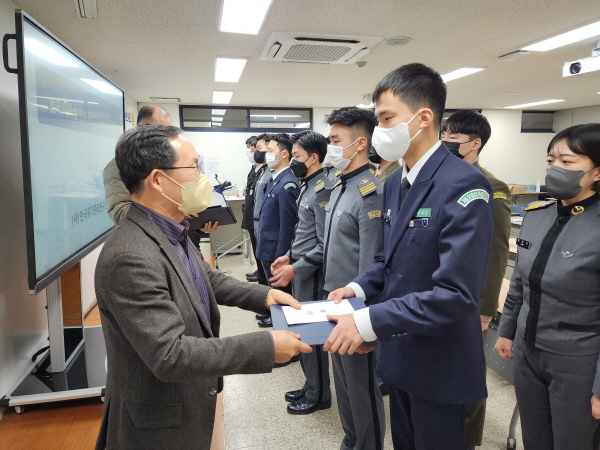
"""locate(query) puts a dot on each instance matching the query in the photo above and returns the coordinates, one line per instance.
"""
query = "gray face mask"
(563, 184)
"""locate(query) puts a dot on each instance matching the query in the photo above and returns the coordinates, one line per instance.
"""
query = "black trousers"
(262, 279)
(419, 424)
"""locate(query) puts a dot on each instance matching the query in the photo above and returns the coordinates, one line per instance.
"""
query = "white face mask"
(392, 143)
(335, 154)
(250, 156)
(271, 159)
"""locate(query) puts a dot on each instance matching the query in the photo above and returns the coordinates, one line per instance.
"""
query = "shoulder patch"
(320, 186)
(338, 173)
(290, 185)
(475, 194)
(323, 204)
(540, 205)
(337, 184)
(500, 195)
(374, 214)
(367, 189)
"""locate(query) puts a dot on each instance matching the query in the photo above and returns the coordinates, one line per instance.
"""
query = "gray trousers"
(554, 394)
(315, 365)
(359, 401)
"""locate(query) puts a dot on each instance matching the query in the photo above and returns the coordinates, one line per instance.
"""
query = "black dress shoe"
(265, 323)
(293, 396)
(384, 388)
(303, 406)
(293, 360)
(261, 316)
(251, 278)
(252, 274)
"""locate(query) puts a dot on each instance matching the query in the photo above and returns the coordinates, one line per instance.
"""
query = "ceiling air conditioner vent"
(313, 48)
(166, 99)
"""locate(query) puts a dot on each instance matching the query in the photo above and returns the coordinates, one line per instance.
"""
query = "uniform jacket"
(251, 181)
(498, 257)
(165, 360)
(353, 234)
(277, 217)
(118, 198)
(259, 191)
(431, 271)
(306, 252)
(554, 304)
(395, 165)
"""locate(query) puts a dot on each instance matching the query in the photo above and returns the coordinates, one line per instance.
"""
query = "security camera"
(581, 66)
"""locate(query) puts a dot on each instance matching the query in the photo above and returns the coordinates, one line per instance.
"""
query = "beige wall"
(569, 117)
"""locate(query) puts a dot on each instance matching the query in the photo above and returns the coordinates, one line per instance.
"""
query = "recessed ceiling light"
(216, 124)
(229, 70)
(243, 16)
(526, 105)
(579, 34)
(217, 119)
(222, 97)
(102, 86)
(459, 73)
(218, 112)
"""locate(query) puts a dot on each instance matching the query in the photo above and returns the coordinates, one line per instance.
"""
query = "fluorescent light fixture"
(243, 16)
(218, 112)
(216, 124)
(47, 54)
(526, 105)
(272, 115)
(302, 125)
(362, 105)
(102, 86)
(217, 119)
(223, 97)
(229, 70)
(459, 73)
(567, 38)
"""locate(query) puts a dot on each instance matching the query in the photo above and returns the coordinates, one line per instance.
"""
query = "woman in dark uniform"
(552, 310)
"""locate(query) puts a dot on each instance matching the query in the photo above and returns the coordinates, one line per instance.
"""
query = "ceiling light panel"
(222, 97)
(567, 38)
(459, 73)
(217, 119)
(527, 105)
(218, 112)
(243, 16)
(229, 70)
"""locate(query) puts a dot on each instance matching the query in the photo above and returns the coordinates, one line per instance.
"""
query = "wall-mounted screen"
(71, 119)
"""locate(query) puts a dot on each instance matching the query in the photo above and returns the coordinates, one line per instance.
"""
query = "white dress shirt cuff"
(358, 291)
(362, 319)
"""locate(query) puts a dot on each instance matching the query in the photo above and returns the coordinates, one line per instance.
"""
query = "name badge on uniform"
(523, 243)
(387, 218)
(423, 213)
(304, 203)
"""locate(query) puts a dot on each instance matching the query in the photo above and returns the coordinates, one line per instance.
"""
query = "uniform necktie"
(404, 187)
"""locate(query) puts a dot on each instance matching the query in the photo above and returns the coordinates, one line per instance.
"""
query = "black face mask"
(454, 146)
(259, 157)
(299, 168)
(374, 156)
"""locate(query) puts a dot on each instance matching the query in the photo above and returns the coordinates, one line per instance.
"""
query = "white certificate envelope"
(316, 312)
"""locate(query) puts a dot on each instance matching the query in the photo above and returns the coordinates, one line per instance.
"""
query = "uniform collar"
(318, 172)
(279, 172)
(575, 208)
(355, 172)
(414, 171)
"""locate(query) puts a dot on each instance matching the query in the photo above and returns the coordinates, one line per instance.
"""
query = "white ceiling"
(167, 48)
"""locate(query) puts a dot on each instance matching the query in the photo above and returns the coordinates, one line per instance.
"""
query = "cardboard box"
(516, 189)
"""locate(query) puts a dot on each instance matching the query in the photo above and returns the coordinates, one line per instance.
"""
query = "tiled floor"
(255, 414)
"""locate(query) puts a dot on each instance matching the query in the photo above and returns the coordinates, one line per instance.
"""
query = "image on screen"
(74, 118)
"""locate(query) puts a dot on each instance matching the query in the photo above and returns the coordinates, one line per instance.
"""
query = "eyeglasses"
(196, 167)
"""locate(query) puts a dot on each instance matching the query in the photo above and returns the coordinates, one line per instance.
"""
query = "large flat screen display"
(71, 119)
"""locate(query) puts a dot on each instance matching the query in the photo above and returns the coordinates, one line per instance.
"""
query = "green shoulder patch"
(475, 194)
(500, 195)
(320, 186)
(367, 189)
(540, 205)
(290, 185)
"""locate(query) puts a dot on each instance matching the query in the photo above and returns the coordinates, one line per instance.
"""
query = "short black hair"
(284, 142)
(581, 139)
(418, 86)
(143, 149)
(145, 114)
(251, 141)
(312, 142)
(469, 122)
(358, 120)
(264, 137)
